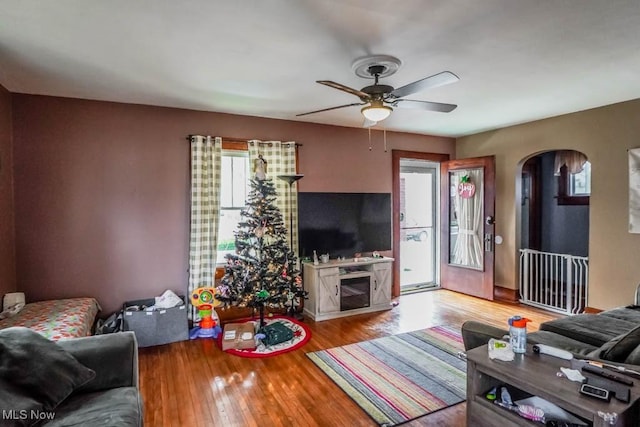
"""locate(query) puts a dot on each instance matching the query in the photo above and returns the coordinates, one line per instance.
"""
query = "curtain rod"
(297, 144)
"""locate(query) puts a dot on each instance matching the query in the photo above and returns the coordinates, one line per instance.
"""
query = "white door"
(418, 196)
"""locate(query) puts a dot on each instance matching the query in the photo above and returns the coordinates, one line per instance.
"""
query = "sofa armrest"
(114, 358)
(475, 334)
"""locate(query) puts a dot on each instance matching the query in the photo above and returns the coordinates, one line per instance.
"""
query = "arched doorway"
(553, 230)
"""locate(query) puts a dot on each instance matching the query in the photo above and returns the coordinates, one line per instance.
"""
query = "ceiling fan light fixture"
(376, 112)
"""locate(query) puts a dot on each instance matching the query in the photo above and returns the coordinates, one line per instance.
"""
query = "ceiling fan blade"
(331, 108)
(344, 88)
(440, 79)
(424, 105)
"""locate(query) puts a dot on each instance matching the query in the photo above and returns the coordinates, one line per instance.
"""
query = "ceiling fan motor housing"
(377, 91)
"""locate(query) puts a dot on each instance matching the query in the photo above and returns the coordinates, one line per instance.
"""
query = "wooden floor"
(193, 383)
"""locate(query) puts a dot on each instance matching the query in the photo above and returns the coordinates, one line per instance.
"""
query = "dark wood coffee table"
(532, 374)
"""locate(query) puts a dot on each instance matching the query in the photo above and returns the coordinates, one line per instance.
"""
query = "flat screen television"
(342, 224)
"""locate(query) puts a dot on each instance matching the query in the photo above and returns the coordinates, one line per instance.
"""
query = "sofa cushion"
(630, 313)
(114, 358)
(560, 341)
(44, 371)
(115, 407)
(619, 348)
(592, 329)
(16, 406)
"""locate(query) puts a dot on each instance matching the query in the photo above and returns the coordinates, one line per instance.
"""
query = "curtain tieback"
(463, 231)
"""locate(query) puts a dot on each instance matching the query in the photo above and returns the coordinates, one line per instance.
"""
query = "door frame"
(396, 155)
(531, 168)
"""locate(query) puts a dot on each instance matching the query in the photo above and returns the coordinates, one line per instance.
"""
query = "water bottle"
(518, 333)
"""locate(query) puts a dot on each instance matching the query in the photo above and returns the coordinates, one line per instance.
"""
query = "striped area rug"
(401, 377)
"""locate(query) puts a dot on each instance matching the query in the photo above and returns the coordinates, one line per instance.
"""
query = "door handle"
(490, 220)
(336, 290)
(488, 242)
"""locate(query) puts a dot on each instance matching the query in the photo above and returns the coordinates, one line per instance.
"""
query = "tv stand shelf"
(330, 286)
(355, 274)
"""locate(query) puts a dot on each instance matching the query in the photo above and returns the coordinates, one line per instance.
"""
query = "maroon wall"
(101, 189)
(7, 234)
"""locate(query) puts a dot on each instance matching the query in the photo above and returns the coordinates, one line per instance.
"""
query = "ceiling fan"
(381, 99)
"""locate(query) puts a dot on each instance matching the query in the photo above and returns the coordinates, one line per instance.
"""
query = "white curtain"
(573, 159)
(206, 159)
(468, 250)
(281, 160)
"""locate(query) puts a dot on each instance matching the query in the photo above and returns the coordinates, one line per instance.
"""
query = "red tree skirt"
(301, 334)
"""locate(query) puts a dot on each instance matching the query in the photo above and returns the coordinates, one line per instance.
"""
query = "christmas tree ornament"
(260, 168)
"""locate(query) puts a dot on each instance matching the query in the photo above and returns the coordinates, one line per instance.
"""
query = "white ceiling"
(518, 60)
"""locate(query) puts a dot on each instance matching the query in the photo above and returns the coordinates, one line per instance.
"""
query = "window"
(574, 188)
(580, 183)
(234, 189)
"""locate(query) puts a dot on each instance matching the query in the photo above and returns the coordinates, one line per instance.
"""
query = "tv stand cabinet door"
(381, 286)
(329, 290)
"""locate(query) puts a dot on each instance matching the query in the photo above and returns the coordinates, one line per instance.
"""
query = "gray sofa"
(102, 389)
(612, 335)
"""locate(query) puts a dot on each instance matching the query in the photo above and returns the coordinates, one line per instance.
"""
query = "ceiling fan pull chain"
(369, 129)
(384, 130)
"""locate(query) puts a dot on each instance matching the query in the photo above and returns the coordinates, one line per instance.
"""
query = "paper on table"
(573, 375)
(551, 411)
(500, 350)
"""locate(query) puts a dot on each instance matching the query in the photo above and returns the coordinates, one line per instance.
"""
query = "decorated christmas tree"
(262, 273)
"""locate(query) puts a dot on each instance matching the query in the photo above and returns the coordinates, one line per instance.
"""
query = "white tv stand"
(347, 287)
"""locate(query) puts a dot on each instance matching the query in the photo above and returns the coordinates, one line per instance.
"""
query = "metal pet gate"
(555, 282)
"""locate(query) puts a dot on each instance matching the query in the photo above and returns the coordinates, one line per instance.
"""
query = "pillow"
(634, 357)
(619, 348)
(42, 369)
(16, 406)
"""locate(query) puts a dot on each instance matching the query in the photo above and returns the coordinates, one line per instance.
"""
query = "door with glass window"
(467, 211)
(418, 191)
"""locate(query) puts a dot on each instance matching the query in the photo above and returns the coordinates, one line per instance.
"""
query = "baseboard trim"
(505, 294)
(592, 310)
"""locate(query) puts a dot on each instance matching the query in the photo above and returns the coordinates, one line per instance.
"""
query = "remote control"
(597, 392)
(552, 351)
(608, 375)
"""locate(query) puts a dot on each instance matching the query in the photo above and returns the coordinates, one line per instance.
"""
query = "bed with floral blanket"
(57, 319)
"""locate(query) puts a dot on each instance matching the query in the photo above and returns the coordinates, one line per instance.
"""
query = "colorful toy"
(204, 299)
